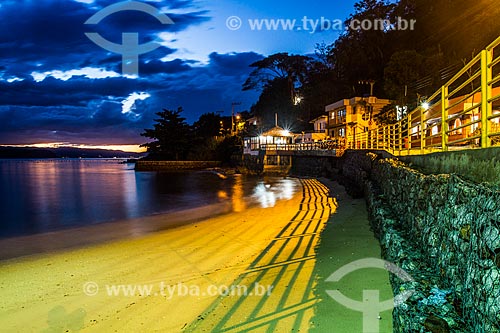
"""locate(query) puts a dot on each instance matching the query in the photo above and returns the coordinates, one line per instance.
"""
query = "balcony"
(337, 121)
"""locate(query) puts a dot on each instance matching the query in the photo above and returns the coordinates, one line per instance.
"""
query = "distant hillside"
(64, 152)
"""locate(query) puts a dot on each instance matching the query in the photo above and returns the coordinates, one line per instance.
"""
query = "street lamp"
(232, 115)
(297, 100)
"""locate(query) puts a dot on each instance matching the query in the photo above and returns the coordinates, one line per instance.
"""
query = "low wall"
(443, 231)
(477, 165)
(252, 165)
(174, 165)
(313, 166)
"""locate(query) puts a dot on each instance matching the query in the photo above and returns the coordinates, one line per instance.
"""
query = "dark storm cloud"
(74, 92)
(42, 32)
(231, 63)
(171, 67)
(48, 35)
(91, 110)
(67, 123)
(51, 33)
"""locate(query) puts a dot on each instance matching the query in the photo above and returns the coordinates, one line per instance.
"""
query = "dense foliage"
(406, 65)
(209, 138)
(170, 136)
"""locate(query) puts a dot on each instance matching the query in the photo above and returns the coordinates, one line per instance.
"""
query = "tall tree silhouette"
(170, 134)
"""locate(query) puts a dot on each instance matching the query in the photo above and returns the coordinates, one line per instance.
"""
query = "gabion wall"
(456, 226)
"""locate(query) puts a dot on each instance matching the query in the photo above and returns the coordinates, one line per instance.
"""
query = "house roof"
(353, 101)
(318, 118)
(278, 132)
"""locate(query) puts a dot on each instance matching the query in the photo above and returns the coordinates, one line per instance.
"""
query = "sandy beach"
(261, 270)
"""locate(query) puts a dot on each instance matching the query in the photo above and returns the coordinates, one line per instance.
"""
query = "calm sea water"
(37, 196)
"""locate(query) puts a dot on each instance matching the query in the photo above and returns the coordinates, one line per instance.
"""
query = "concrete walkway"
(347, 238)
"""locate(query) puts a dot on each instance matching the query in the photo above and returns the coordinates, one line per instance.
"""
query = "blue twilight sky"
(57, 86)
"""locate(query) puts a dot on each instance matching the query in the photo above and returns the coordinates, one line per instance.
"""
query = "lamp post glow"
(232, 116)
(297, 100)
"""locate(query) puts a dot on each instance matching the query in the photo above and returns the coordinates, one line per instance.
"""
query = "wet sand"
(281, 255)
(15, 247)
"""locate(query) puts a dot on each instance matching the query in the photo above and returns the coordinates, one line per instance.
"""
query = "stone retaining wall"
(444, 231)
(458, 226)
(174, 165)
(314, 166)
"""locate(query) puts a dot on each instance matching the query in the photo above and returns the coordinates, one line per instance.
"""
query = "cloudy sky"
(57, 86)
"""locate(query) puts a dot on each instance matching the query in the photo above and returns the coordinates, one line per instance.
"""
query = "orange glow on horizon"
(125, 148)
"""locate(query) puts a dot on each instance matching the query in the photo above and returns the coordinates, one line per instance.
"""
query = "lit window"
(341, 113)
(435, 130)
(458, 123)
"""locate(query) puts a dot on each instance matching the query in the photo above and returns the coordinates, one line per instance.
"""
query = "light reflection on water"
(268, 193)
(238, 197)
(37, 196)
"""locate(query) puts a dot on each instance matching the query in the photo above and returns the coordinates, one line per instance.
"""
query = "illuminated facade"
(276, 138)
(348, 116)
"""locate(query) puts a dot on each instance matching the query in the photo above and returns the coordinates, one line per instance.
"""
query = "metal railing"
(308, 146)
(464, 113)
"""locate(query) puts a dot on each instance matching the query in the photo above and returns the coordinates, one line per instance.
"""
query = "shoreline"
(95, 234)
(123, 229)
(289, 249)
(214, 251)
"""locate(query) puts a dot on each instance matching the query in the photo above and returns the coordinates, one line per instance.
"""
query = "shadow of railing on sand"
(280, 281)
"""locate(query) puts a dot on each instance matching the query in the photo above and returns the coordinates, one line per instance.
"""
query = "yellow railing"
(464, 113)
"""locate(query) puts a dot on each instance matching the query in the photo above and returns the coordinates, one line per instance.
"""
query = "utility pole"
(370, 82)
(232, 115)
